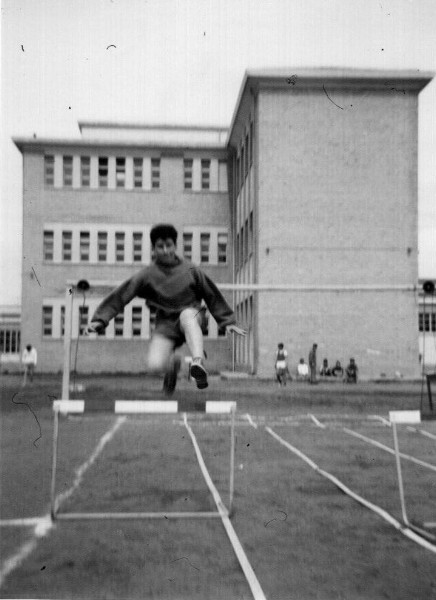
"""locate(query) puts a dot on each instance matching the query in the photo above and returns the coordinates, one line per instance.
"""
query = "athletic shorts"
(168, 325)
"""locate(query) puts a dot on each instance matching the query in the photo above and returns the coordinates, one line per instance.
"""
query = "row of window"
(244, 243)
(9, 340)
(244, 159)
(135, 322)
(116, 245)
(427, 321)
(112, 172)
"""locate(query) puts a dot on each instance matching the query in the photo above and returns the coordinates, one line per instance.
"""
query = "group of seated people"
(349, 375)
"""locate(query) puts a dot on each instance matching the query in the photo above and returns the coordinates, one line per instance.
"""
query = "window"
(68, 171)
(62, 321)
(67, 245)
(49, 170)
(119, 325)
(222, 248)
(47, 320)
(137, 172)
(155, 173)
(85, 171)
(48, 245)
(250, 234)
(427, 322)
(102, 246)
(120, 172)
(246, 155)
(83, 318)
(187, 245)
(136, 321)
(187, 172)
(153, 311)
(238, 179)
(251, 143)
(84, 245)
(204, 247)
(243, 159)
(119, 246)
(103, 171)
(9, 341)
(205, 174)
(137, 247)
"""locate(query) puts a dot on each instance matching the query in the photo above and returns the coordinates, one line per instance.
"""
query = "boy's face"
(165, 251)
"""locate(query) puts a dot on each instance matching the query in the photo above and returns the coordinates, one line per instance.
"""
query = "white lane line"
(315, 420)
(44, 524)
(381, 419)
(250, 420)
(234, 540)
(387, 449)
(25, 522)
(377, 509)
(427, 434)
(83, 468)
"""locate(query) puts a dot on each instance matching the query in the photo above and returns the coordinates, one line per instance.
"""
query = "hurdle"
(143, 407)
(407, 417)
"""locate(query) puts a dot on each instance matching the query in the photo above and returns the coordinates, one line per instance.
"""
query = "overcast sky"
(182, 62)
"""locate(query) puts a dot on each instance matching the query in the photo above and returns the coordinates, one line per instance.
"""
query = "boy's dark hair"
(280, 345)
(163, 231)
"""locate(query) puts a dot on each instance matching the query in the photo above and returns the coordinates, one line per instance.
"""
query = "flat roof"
(313, 78)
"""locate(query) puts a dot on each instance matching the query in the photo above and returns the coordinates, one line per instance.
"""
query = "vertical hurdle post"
(400, 475)
(67, 343)
(232, 459)
(54, 462)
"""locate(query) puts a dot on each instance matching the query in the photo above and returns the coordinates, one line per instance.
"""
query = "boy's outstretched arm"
(236, 329)
(220, 310)
(114, 303)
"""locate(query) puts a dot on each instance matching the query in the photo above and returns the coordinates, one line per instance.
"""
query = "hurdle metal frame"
(129, 407)
(407, 417)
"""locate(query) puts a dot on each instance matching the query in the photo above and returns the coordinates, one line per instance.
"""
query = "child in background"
(176, 288)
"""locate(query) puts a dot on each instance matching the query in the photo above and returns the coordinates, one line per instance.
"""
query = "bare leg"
(190, 320)
(160, 353)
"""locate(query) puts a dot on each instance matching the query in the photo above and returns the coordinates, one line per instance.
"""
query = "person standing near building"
(29, 359)
(312, 364)
(281, 365)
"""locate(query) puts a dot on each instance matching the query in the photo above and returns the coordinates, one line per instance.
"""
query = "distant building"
(89, 205)
(312, 193)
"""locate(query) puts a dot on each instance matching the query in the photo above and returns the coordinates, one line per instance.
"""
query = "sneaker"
(199, 373)
(170, 379)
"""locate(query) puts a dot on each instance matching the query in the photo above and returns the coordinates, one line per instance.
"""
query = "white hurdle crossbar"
(404, 417)
(128, 407)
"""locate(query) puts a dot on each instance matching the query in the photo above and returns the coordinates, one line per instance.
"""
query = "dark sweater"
(169, 288)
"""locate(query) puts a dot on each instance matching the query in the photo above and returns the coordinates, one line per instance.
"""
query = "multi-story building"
(89, 205)
(324, 209)
(318, 209)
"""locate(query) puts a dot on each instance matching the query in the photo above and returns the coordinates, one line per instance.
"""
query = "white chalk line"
(231, 533)
(44, 524)
(316, 421)
(390, 450)
(383, 420)
(250, 420)
(376, 509)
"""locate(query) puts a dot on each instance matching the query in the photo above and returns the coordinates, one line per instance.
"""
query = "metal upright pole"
(67, 343)
(53, 464)
(232, 459)
(400, 476)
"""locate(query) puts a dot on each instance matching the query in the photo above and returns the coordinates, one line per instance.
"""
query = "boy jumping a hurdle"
(176, 288)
